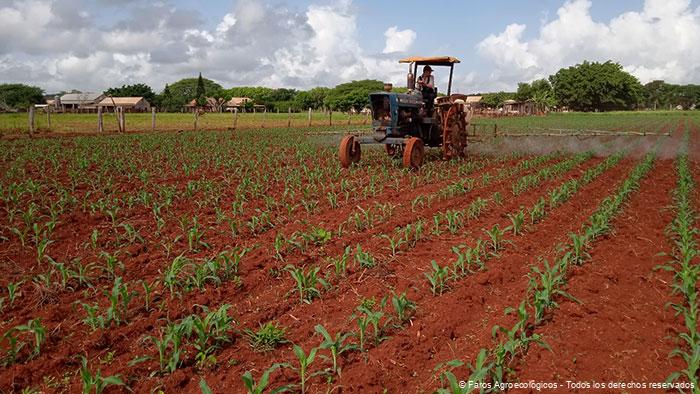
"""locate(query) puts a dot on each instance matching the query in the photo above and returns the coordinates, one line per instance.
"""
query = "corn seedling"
(336, 345)
(305, 362)
(339, 264)
(517, 220)
(437, 278)
(259, 388)
(496, 238)
(364, 259)
(96, 383)
(306, 282)
(579, 244)
(403, 307)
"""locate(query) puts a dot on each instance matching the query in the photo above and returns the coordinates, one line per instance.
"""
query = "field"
(75, 123)
(248, 260)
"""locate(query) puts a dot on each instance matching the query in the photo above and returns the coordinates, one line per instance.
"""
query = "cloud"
(57, 45)
(398, 40)
(658, 42)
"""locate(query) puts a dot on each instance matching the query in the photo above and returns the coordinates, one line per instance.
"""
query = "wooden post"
(289, 117)
(330, 117)
(48, 116)
(264, 115)
(196, 118)
(495, 129)
(123, 119)
(100, 124)
(309, 117)
(235, 118)
(32, 127)
(349, 117)
(153, 118)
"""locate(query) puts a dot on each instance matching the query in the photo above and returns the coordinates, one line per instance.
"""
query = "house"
(79, 102)
(129, 104)
(526, 107)
(474, 102)
(238, 103)
(242, 104)
(211, 105)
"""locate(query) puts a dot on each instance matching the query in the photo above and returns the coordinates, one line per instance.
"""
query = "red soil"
(452, 326)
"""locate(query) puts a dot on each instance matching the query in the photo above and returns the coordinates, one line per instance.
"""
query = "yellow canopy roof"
(435, 60)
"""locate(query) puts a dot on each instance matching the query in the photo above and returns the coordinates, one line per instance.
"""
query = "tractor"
(406, 123)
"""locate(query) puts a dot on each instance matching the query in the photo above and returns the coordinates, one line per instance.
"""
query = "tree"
(19, 96)
(304, 100)
(165, 100)
(137, 90)
(353, 94)
(596, 87)
(494, 100)
(200, 94)
(185, 90)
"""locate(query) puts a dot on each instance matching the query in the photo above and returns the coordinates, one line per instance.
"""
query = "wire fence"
(40, 120)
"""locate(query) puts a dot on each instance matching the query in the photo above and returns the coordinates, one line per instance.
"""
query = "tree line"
(593, 86)
(589, 86)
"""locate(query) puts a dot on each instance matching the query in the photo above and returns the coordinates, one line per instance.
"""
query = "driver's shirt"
(431, 81)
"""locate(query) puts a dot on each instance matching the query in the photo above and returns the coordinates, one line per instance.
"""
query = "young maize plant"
(438, 278)
(96, 383)
(364, 259)
(403, 307)
(306, 282)
(259, 388)
(544, 286)
(496, 238)
(336, 345)
(340, 264)
(517, 221)
(686, 271)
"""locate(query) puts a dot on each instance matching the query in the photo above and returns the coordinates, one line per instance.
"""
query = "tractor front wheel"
(413, 153)
(349, 151)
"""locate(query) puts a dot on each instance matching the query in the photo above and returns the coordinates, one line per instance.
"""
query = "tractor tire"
(413, 153)
(349, 151)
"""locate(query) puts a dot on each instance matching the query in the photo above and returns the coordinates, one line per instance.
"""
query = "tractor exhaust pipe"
(410, 78)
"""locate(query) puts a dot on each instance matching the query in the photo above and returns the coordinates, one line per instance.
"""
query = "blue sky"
(95, 44)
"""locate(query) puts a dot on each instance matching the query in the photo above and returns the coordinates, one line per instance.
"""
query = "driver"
(426, 85)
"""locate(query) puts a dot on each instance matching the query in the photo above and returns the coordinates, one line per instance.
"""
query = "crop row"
(686, 270)
(546, 285)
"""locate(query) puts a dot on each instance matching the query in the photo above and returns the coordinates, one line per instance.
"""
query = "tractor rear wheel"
(349, 151)
(413, 153)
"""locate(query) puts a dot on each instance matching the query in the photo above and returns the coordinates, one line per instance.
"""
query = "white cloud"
(658, 42)
(398, 40)
(53, 44)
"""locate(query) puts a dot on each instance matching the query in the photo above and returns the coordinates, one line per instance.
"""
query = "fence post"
(349, 117)
(264, 116)
(153, 118)
(330, 117)
(309, 125)
(32, 127)
(48, 116)
(123, 120)
(289, 117)
(100, 125)
(196, 118)
(495, 129)
(235, 118)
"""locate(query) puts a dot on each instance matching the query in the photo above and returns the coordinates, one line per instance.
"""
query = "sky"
(91, 45)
